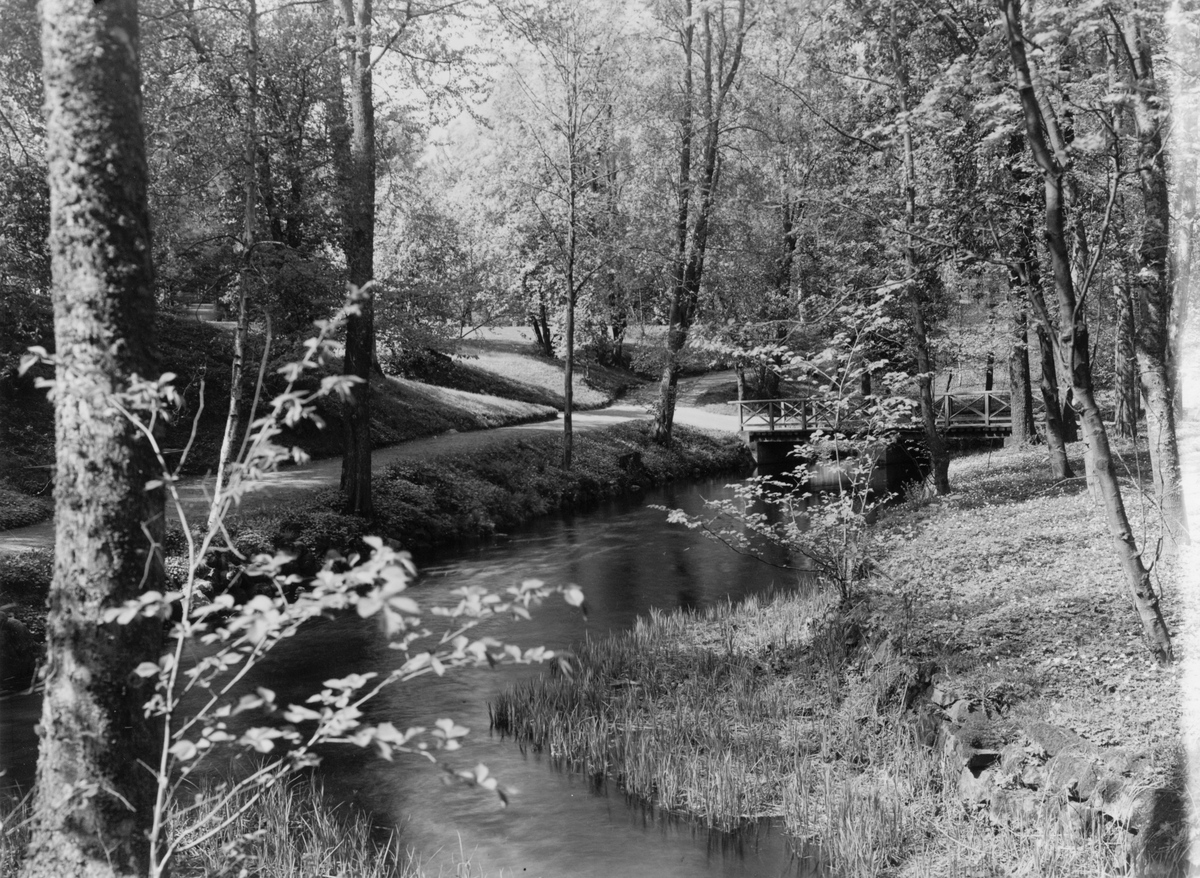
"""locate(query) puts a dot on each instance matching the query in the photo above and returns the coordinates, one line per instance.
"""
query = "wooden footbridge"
(787, 422)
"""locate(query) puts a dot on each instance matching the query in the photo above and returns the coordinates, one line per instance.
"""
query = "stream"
(627, 559)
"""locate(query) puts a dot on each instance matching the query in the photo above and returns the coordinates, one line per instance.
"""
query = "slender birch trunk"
(237, 367)
(1154, 289)
(569, 327)
(1071, 345)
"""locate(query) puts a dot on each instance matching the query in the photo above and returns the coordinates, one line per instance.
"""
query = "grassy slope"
(514, 371)
(1009, 588)
(504, 387)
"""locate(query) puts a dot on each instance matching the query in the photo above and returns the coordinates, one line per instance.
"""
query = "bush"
(19, 510)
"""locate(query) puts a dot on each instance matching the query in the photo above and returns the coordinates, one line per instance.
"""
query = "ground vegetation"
(848, 724)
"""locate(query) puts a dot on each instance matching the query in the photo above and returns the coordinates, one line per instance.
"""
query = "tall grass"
(769, 709)
(291, 831)
(14, 834)
(701, 735)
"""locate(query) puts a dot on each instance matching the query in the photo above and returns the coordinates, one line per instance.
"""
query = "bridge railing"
(802, 414)
(987, 410)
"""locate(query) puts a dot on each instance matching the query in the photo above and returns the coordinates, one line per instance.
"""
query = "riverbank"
(423, 503)
(986, 708)
(495, 481)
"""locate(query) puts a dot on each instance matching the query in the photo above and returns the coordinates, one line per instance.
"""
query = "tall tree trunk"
(1154, 290)
(540, 318)
(356, 147)
(542, 325)
(1071, 345)
(95, 800)
(774, 309)
(1186, 161)
(1124, 364)
(1027, 271)
(939, 451)
(620, 323)
(679, 312)
(616, 297)
(1060, 466)
(569, 327)
(1066, 412)
(1020, 387)
(250, 156)
(721, 62)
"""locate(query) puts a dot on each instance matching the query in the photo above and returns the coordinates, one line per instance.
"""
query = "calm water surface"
(627, 559)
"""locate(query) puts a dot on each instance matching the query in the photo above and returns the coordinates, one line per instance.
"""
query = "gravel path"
(695, 408)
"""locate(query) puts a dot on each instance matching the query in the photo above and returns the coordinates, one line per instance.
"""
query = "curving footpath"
(288, 485)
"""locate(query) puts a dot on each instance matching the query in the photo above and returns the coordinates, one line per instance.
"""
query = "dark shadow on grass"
(1012, 478)
(717, 395)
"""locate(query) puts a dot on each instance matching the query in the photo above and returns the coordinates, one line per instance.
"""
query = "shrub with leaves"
(824, 534)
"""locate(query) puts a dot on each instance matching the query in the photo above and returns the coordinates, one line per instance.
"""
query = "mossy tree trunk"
(95, 796)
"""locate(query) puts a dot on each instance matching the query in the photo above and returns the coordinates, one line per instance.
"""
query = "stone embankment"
(1028, 772)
